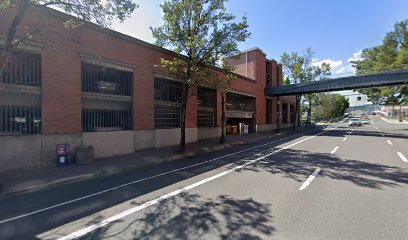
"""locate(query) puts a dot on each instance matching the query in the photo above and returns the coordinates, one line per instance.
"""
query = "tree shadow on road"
(298, 165)
(192, 216)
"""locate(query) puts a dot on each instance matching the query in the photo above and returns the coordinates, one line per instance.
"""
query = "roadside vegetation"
(203, 34)
(298, 68)
(390, 55)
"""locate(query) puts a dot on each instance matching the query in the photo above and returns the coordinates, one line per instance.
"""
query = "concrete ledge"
(166, 137)
(208, 132)
(191, 135)
(108, 144)
(20, 152)
(144, 139)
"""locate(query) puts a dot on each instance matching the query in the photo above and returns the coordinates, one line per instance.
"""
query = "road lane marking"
(403, 158)
(155, 201)
(344, 139)
(389, 142)
(310, 179)
(334, 150)
(148, 178)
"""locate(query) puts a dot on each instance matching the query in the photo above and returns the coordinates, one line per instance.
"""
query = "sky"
(336, 30)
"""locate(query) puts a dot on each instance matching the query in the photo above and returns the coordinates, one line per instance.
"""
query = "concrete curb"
(112, 171)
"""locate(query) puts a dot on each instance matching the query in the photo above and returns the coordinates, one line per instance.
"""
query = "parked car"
(354, 122)
(365, 121)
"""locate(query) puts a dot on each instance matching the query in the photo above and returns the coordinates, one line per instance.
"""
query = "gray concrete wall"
(49, 143)
(191, 135)
(266, 127)
(108, 144)
(144, 139)
(20, 152)
(167, 137)
(208, 132)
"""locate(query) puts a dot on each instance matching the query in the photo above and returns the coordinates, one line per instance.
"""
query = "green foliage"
(298, 68)
(391, 55)
(4, 4)
(201, 30)
(202, 33)
(99, 12)
(331, 106)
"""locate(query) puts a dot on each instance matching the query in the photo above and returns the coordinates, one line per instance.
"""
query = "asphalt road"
(335, 182)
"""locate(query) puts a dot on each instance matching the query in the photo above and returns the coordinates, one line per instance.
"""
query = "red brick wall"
(61, 72)
(245, 64)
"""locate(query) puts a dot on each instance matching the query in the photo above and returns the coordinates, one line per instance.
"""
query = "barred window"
(20, 94)
(106, 99)
(206, 107)
(167, 103)
(268, 111)
(240, 102)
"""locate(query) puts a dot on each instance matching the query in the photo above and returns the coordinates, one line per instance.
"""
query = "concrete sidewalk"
(28, 181)
(394, 120)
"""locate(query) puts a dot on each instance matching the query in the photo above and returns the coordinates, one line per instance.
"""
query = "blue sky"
(336, 29)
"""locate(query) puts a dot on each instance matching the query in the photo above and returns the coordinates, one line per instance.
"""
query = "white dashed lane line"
(344, 139)
(334, 150)
(403, 158)
(389, 142)
(310, 179)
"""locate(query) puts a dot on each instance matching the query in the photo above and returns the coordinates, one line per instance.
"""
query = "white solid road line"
(344, 139)
(389, 142)
(334, 150)
(155, 201)
(403, 158)
(141, 180)
(310, 179)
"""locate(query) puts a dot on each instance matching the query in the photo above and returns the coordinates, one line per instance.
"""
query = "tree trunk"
(393, 111)
(184, 96)
(309, 114)
(296, 112)
(11, 32)
(222, 139)
(400, 113)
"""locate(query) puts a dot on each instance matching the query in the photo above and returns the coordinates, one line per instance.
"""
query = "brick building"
(93, 86)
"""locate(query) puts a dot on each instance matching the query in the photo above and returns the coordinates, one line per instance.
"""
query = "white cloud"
(340, 68)
(356, 56)
(333, 63)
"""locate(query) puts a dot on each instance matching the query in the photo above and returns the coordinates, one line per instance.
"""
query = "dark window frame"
(167, 103)
(206, 107)
(107, 98)
(20, 94)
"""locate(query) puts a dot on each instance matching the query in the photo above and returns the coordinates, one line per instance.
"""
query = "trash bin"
(63, 154)
(84, 154)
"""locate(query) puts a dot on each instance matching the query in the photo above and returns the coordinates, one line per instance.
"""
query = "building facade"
(93, 86)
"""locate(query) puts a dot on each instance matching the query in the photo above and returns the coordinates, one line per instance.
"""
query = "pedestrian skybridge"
(342, 83)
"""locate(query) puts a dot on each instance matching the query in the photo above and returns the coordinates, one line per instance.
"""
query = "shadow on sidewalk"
(192, 216)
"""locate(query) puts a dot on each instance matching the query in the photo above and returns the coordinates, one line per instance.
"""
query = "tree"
(201, 32)
(299, 69)
(331, 106)
(392, 54)
(100, 12)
